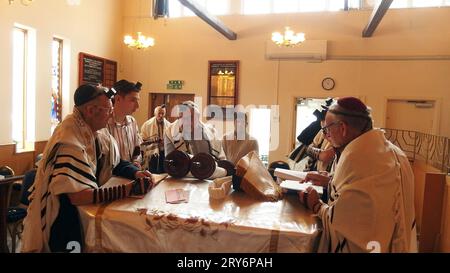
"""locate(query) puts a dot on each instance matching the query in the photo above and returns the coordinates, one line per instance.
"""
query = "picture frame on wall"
(223, 88)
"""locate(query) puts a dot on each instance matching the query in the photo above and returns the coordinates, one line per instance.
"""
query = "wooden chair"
(277, 164)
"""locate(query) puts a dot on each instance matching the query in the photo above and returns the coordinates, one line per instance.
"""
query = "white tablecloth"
(237, 223)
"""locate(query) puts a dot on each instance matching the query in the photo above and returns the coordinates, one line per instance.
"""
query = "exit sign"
(175, 84)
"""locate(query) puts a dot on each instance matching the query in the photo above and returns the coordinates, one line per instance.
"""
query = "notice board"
(96, 70)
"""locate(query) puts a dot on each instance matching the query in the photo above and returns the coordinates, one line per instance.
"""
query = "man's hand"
(137, 164)
(142, 174)
(327, 155)
(318, 178)
(310, 199)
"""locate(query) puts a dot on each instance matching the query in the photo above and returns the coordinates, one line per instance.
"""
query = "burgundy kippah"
(352, 104)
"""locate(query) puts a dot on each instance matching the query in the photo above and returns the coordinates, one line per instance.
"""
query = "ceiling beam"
(211, 20)
(375, 18)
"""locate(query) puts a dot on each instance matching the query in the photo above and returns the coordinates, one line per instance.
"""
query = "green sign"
(175, 84)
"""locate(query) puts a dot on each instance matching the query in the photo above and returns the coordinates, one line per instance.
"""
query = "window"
(305, 108)
(56, 99)
(290, 6)
(215, 7)
(256, 6)
(415, 3)
(23, 104)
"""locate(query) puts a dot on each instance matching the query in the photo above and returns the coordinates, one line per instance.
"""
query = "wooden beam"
(375, 18)
(211, 20)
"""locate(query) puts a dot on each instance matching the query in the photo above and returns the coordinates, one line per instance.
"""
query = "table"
(237, 223)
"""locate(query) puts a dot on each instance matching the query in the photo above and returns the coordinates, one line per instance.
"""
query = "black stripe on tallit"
(43, 211)
(340, 246)
(76, 159)
(332, 214)
(75, 169)
(45, 195)
(79, 181)
(343, 244)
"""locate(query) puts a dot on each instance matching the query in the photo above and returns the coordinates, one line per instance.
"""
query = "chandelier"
(141, 42)
(289, 38)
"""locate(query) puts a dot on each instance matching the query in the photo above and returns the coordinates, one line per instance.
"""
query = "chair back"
(277, 164)
(5, 189)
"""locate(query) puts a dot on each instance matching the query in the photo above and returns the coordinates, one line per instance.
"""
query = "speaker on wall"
(160, 9)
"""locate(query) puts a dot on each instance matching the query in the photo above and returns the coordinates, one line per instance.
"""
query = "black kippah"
(88, 92)
(126, 86)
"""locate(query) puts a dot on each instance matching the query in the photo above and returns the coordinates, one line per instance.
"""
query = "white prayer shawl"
(127, 136)
(150, 132)
(371, 206)
(173, 140)
(236, 149)
(68, 165)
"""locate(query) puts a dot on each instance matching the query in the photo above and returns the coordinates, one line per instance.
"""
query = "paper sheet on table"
(177, 196)
(297, 186)
(289, 174)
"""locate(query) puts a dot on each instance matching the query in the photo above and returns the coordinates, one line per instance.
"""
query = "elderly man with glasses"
(79, 158)
(371, 193)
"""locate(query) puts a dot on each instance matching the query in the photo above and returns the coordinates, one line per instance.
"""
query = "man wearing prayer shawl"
(152, 132)
(371, 194)
(189, 134)
(78, 159)
(121, 125)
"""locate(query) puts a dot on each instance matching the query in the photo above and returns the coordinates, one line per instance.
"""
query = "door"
(169, 99)
(411, 115)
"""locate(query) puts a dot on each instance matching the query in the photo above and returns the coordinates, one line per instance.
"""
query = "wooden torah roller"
(203, 166)
(177, 164)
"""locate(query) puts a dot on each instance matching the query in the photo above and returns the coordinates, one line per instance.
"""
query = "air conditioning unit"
(309, 50)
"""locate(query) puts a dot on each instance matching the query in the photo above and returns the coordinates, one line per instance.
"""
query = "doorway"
(169, 99)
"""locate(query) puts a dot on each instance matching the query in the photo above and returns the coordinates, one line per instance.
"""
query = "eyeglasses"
(325, 129)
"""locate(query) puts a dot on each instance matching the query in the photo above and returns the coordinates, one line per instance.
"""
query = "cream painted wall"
(92, 27)
(184, 46)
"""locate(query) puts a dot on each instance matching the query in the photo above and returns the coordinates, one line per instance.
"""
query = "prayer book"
(297, 186)
(289, 174)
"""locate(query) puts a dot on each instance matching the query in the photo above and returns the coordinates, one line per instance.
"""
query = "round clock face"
(328, 83)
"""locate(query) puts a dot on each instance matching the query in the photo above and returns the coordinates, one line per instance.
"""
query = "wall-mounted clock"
(328, 83)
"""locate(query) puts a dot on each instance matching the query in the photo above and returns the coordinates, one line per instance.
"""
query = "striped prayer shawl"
(209, 144)
(152, 131)
(68, 165)
(127, 137)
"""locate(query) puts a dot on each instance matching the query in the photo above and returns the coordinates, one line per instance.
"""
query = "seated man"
(239, 143)
(189, 134)
(121, 125)
(371, 194)
(78, 159)
(152, 132)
